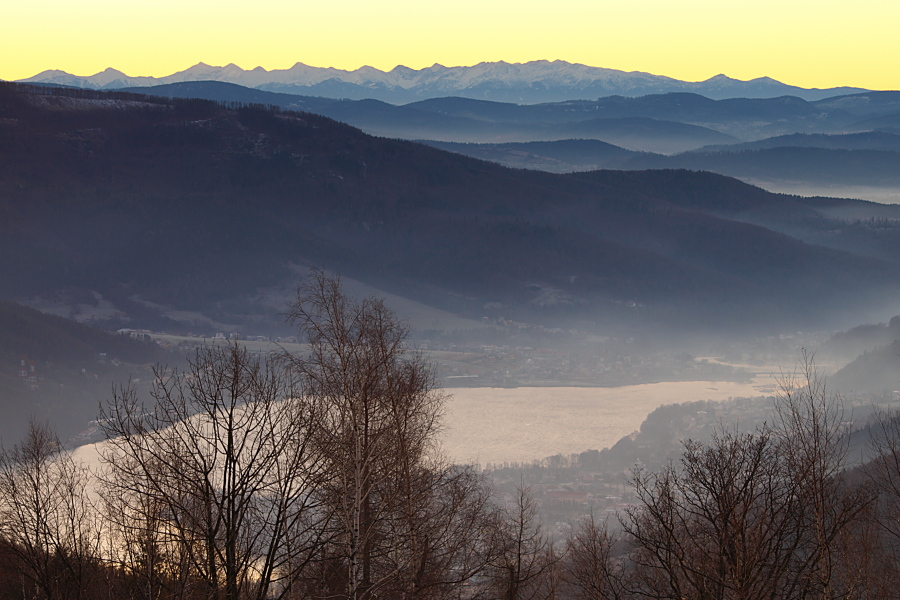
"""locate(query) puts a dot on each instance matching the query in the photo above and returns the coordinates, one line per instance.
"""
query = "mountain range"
(667, 123)
(189, 215)
(837, 146)
(523, 83)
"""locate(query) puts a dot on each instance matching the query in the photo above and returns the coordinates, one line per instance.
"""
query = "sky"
(821, 43)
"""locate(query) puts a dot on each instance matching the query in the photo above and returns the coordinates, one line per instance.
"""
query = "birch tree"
(377, 416)
(813, 439)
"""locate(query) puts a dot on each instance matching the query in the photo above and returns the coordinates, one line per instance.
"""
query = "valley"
(508, 278)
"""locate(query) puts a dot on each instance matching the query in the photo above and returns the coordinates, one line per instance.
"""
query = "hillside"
(875, 371)
(812, 164)
(563, 156)
(858, 165)
(54, 369)
(180, 214)
(664, 123)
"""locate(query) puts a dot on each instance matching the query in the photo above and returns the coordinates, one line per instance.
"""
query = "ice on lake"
(521, 424)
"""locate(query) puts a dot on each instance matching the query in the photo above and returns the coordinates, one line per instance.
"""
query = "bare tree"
(882, 545)
(214, 479)
(869, 567)
(524, 558)
(770, 514)
(151, 561)
(813, 440)
(721, 526)
(591, 570)
(448, 536)
(46, 515)
(379, 411)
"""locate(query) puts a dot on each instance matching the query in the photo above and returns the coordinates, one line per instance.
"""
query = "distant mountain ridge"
(662, 123)
(871, 159)
(524, 83)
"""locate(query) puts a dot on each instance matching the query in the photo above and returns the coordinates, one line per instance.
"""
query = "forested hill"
(54, 369)
(25, 331)
(158, 204)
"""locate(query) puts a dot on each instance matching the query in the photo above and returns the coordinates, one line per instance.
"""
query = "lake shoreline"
(497, 424)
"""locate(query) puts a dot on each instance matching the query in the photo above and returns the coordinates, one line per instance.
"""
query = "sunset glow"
(805, 43)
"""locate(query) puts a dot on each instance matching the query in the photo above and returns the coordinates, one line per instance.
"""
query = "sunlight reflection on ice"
(497, 424)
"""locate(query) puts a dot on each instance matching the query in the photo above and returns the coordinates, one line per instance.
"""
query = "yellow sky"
(821, 43)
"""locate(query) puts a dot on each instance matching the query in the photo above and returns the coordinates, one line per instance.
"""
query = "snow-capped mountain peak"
(526, 83)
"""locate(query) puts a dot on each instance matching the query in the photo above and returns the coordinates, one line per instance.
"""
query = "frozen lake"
(499, 424)
(521, 424)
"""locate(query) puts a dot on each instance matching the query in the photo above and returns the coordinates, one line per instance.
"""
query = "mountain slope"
(874, 371)
(819, 165)
(667, 123)
(196, 206)
(862, 163)
(869, 140)
(462, 120)
(68, 369)
(562, 156)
